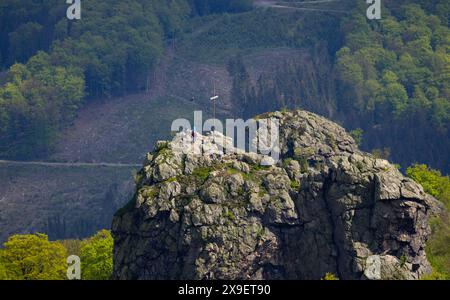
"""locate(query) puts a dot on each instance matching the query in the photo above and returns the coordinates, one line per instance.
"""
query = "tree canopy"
(32, 257)
(96, 256)
(438, 252)
(393, 79)
(433, 182)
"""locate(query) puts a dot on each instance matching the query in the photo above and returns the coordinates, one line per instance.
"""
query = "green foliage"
(149, 191)
(260, 233)
(286, 162)
(201, 174)
(24, 41)
(117, 44)
(301, 155)
(231, 34)
(391, 77)
(3, 275)
(229, 215)
(401, 69)
(330, 276)
(112, 51)
(304, 165)
(36, 102)
(295, 185)
(96, 256)
(26, 27)
(433, 182)
(291, 84)
(32, 257)
(438, 249)
(357, 135)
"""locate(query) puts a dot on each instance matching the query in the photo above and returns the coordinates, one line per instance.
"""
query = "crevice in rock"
(326, 186)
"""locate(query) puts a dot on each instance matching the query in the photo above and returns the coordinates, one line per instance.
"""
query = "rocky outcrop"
(325, 208)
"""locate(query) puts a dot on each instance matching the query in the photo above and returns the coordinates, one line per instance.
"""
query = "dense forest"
(393, 79)
(390, 78)
(55, 65)
(85, 61)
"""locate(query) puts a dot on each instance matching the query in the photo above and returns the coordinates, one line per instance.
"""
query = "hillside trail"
(286, 5)
(95, 117)
(105, 123)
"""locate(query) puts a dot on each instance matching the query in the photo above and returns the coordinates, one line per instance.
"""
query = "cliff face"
(326, 207)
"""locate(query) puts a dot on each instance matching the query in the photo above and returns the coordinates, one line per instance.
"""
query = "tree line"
(393, 79)
(55, 65)
(34, 257)
(389, 77)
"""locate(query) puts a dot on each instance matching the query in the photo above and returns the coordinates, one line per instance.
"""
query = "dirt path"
(279, 5)
(102, 128)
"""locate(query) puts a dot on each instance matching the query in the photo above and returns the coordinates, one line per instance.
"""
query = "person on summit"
(193, 135)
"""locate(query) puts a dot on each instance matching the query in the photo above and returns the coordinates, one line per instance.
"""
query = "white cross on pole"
(214, 99)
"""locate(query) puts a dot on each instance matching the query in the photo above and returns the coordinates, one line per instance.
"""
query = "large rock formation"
(325, 208)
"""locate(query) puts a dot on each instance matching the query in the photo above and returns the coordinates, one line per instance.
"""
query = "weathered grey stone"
(326, 208)
(241, 166)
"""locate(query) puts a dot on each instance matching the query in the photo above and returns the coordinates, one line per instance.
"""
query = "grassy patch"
(261, 232)
(232, 171)
(148, 192)
(286, 162)
(173, 179)
(257, 168)
(229, 215)
(303, 164)
(360, 166)
(295, 185)
(201, 174)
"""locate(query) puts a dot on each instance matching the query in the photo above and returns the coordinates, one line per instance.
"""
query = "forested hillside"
(112, 51)
(104, 88)
(393, 80)
(389, 77)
